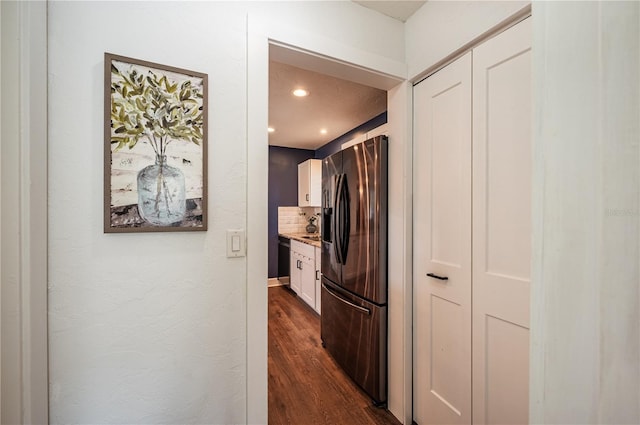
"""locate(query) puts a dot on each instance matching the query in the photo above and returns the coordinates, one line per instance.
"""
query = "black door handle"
(346, 219)
(435, 276)
(337, 219)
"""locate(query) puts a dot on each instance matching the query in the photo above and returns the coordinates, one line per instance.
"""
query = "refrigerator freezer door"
(365, 263)
(354, 332)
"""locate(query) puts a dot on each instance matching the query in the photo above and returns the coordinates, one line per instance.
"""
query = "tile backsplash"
(295, 219)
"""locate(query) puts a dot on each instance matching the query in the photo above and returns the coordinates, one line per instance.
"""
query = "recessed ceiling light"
(271, 129)
(323, 131)
(300, 92)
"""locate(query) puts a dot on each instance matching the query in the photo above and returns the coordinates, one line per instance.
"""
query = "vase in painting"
(161, 193)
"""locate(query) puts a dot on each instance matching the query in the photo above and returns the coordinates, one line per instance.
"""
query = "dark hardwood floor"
(305, 385)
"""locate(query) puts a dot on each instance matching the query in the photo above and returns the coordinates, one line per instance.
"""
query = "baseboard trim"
(278, 281)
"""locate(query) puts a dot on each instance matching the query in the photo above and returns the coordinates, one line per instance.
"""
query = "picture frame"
(155, 147)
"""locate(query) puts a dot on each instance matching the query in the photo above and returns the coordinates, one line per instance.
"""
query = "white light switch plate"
(236, 243)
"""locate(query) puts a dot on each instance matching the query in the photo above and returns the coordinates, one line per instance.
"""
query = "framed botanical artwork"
(155, 147)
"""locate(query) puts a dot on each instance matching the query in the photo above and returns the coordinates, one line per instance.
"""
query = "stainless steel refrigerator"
(354, 263)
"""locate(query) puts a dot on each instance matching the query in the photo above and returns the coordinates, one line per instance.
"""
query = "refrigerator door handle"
(346, 219)
(349, 303)
(337, 213)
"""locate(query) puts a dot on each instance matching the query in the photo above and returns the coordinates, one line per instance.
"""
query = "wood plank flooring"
(306, 386)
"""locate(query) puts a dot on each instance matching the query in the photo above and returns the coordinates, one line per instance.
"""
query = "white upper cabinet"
(382, 130)
(309, 183)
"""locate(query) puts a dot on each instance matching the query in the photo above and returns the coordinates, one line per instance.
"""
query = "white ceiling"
(400, 10)
(334, 103)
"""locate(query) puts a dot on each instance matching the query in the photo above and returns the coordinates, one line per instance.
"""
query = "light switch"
(235, 243)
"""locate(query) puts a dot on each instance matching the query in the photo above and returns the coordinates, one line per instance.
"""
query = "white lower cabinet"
(305, 276)
(295, 272)
(318, 277)
(307, 280)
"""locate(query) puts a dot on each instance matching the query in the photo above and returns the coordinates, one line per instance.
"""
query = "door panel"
(447, 323)
(331, 168)
(308, 280)
(446, 177)
(364, 358)
(294, 274)
(365, 170)
(502, 226)
(507, 176)
(506, 382)
(303, 184)
(442, 246)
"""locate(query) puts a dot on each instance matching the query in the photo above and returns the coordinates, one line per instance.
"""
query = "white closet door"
(442, 246)
(502, 226)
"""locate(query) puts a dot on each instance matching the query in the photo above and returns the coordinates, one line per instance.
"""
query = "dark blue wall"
(283, 179)
(283, 192)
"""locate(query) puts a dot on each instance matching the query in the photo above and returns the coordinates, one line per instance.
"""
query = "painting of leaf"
(152, 111)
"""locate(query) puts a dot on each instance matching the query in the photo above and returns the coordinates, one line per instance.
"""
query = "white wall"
(144, 328)
(151, 328)
(358, 30)
(585, 292)
(439, 28)
(399, 252)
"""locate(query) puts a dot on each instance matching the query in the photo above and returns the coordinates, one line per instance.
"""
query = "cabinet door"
(379, 131)
(442, 246)
(294, 275)
(308, 281)
(303, 184)
(358, 139)
(310, 183)
(315, 182)
(502, 226)
(318, 280)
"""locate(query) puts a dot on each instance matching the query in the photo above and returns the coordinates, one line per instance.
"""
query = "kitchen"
(354, 113)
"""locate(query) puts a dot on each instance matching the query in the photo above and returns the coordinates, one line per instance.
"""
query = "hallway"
(305, 384)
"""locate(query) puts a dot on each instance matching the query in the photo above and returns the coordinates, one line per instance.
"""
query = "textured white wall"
(152, 328)
(441, 27)
(144, 328)
(357, 29)
(585, 358)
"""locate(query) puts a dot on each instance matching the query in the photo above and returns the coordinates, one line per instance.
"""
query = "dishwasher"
(284, 247)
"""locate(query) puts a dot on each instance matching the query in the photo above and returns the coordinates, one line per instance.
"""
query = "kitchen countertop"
(299, 237)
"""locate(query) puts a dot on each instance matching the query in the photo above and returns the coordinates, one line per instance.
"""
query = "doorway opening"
(304, 382)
